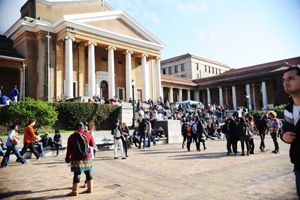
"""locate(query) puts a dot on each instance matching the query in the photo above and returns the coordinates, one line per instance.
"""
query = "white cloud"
(192, 7)
(152, 17)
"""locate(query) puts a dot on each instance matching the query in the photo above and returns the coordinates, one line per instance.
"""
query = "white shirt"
(159, 115)
(296, 114)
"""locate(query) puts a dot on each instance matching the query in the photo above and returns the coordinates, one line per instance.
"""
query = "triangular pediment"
(118, 26)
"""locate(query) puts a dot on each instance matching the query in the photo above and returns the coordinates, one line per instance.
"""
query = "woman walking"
(233, 135)
(125, 132)
(242, 128)
(78, 163)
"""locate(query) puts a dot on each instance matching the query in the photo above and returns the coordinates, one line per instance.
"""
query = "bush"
(70, 112)
(21, 112)
(278, 109)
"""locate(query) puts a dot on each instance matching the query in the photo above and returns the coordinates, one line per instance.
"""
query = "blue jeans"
(14, 149)
(15, 99)
(144, 138)
(297, 174)
(1, 151)
(39, 148)
(220, 119)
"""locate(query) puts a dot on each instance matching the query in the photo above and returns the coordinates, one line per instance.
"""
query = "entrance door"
(103, 90)
(140, 95)
(74, 89)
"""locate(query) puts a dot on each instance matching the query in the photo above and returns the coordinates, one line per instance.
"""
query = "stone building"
(82, 48)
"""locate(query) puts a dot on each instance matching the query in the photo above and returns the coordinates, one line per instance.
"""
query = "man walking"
(116, 131)
(142, 130)
(291, 125)
(15, 94)
(28, 140)
(262, 127)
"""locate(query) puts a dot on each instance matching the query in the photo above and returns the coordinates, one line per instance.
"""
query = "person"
(150, 136)
(242, 127)
(116, 131)
(291, 125)
(38, 145)
(5, 100)
(201, 134)
(46, 140)
(251, 129)
(261, 125)
(233, 134)
(138, 105)
(1, 148)
(78, 165)
(125, 133)
(273, 128)
(90, 101)
(142, 131)
(193, 124)
(28, 140)
(135, 136)
(161, 133)
(225, 130)
(15, 94)
(57, 141)
(12, 147)
(1, 88)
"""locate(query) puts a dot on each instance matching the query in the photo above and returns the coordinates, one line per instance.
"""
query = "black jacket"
(120, 129)
(233, 131)
(242, 131)
(142, 128)
(288, 125)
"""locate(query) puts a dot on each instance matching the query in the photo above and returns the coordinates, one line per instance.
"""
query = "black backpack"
(81, 147)
(184, 128)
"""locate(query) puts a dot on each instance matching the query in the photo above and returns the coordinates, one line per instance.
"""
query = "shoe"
(56, 155)
(124, 158)
(276, 151)
(26, 162)
(189, 150)
(227, 153)
(17, 161)
(205, 148)
(127, 156)
(89, 186)
(248, 154)
(144, 148)
(182, 145)
(116, 158)
(251, 152)
(39, 157)
(273, 151)
(74, 190)
(242, 154)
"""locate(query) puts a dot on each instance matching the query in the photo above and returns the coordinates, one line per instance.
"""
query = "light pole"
(247, 97)
(133, 105)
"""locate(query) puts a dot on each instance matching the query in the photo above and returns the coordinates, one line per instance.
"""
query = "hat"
(272, 113)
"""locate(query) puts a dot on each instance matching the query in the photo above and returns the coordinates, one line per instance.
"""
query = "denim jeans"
(1, 152)
(39, 148)
(31, 147)
(15, 99)
(14, 149)
(274, 137)
(144, 138)
(297, 174)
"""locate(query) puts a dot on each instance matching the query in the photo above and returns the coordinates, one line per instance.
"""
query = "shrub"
(21, 112)
(278, 109)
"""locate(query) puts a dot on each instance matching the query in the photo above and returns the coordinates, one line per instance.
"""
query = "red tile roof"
(177, 80)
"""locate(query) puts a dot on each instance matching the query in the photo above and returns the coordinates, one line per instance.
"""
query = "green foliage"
(70, 112)
(21, 112)
(278, 109)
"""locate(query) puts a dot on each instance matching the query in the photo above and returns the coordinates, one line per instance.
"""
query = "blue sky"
(238, 33)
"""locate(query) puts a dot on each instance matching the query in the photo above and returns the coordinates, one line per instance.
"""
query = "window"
(120, 62)
(182, 67)
(139, 63)
(164, 71)
(213, 70)
(216, 71)
(205, 68)
(176, 68)
(121, 93)
(103, 59)
(197, 76)
(182, 76)
(86, 56)
(170, 70)
(219, 71)
(197, 66)
(208, 69)
(259, 88)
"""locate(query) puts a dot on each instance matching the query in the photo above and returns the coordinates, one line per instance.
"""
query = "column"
(226, 95)
(180, 95)
(196, 95)
(264, 95)
(171, 95)
(128, 74)
(91, 68)
(158, 75)
(248, 93)
(145, 73)
(21, 84)
(208, 96)
(221, 96)
(234, 98)
(253, 86)
(68, 84)
(111, 72)
(188, 94)
(162, 94)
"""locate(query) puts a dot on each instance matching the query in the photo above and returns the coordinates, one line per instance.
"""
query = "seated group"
(47, 142)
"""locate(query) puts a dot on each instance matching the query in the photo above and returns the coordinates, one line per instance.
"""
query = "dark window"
(219, 71)
(213, 70)
(197, 66)
(205, 68)
(208, 69)
(275, 86)
(182, 67)
(183, 76)
(245, 92)
(139, 63)
(259, 88)
(170, 70)
(104, 59)
(120, 62)
(176, 68)
(216, 71)
(86, 56)
(37, 78)
(164, 71)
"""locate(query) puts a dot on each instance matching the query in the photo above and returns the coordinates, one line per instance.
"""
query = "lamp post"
(133, 105)
(247, 97)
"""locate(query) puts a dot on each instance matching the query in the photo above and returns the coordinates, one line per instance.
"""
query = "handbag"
(248, 133)
(203, 137)
(15, 140)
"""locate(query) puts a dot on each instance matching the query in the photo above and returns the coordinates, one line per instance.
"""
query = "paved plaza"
(160, 172)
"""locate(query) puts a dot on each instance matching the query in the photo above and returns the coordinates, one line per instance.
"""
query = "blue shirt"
(15, 92)
(4, 99)
(9, 139)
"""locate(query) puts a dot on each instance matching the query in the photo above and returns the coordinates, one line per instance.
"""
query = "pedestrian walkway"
(160, 172)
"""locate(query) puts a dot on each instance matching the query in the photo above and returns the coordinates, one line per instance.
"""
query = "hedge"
(278, 109)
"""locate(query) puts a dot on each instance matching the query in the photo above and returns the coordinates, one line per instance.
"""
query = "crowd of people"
(6, 100)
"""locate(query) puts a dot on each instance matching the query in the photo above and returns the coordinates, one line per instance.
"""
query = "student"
(116, 131)
(57, 141)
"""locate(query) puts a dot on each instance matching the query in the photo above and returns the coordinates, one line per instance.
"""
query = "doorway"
(139, 94)
(103, 90)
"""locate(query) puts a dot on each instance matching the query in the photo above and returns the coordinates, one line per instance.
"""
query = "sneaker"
(116, 158)
(26, 162)
(205, 148)
(182, 145)
(39, 157)
(124, 158)
(127, 156)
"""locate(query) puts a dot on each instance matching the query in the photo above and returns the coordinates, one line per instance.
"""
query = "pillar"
(253, 86)
(68, 84)
(111, 72)
(234, 98)
(171, 95)
(21, 84)
(189, 95)
(158, 76)
(208, 96)
(248, 93)
(196, 95)
(145, 73)
(226, 95)
(128, 74)
(91, 68)
(264, 95)
(180, 95)
(221, 96)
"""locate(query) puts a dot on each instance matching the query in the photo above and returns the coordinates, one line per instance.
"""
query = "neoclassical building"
(82, 48)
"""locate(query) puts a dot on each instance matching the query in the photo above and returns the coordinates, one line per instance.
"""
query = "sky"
(238, 33)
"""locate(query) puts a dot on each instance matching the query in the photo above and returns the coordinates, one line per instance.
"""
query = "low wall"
(172, 129)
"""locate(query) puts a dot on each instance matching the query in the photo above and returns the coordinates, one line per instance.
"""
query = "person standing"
(242, 127)
(291, 125)
(184, 128)
(1, 88)
(11, 147)
(195, 133)
(15, 94)
(125, 135)
(233, 134)
(57, 141)
(261, 125)
(200, 134)
(83, 164)
(28, 140)
(273, 128)
(142, 130)
(116, 131)
(149, 133)
(251, 129)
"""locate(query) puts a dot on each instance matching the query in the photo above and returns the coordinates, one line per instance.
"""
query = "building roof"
(193, 56)
(6, 48)
(177, 80)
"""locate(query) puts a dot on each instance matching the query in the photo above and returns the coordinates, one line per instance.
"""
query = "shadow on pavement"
(199, 155)
(24, 192)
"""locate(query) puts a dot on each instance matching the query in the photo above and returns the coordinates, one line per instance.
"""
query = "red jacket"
(70, 156)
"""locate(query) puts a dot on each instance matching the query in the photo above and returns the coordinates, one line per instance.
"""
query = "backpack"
(117, 132)
(184, 128)
(81, 147)
(189, 130)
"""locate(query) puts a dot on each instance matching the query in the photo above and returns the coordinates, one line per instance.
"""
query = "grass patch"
(40, 132)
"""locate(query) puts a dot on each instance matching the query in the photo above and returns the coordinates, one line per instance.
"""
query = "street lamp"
(247, 97)
(133, 103)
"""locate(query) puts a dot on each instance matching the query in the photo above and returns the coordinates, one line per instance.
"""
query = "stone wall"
(172, 129)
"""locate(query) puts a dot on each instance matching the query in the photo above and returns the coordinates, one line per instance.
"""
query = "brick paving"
(160, 172)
